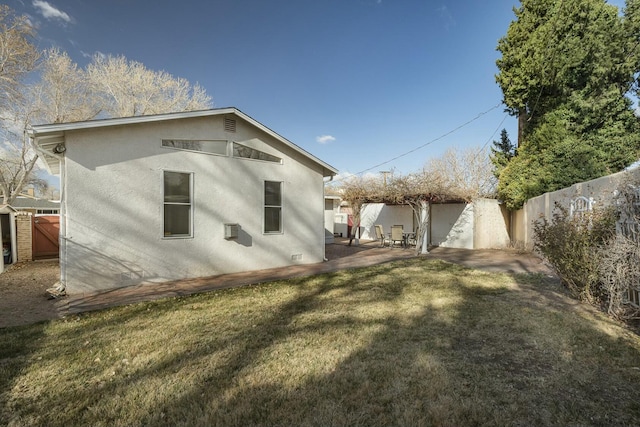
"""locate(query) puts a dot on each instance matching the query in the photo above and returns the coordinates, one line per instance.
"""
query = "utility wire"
(493, 134)
(430, 142)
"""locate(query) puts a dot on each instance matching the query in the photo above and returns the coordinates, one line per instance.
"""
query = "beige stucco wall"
(600, 189)
(113, 206)
(490, 225)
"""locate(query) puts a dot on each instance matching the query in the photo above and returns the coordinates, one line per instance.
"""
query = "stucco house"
(181, 195)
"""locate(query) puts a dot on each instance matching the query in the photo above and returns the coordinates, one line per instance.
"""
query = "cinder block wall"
(24, 237)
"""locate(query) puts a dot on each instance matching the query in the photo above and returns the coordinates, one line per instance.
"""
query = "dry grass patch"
(417, 342)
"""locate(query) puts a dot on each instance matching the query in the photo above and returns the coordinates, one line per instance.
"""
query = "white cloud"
(51, 12)
(325, 139)
(92, 55)
(446, 17)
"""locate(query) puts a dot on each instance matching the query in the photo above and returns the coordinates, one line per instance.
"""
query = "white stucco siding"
(373, 214)
(452, 225)
(114, 206)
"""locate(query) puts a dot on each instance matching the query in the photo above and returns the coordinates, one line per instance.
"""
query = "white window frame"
(265, 206)
(190, 204)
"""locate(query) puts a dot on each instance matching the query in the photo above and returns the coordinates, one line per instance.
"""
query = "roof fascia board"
(38, 130)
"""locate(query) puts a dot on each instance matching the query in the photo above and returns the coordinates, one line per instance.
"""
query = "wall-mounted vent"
(296, 257)
(231, 231)
(229, 125)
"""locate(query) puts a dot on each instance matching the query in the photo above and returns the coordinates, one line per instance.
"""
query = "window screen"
(272, 207)
(177, 204)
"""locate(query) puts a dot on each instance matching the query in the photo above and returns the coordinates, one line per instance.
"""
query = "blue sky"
(356, 83)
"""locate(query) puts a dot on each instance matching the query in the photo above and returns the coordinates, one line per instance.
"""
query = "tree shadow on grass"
(370, 347)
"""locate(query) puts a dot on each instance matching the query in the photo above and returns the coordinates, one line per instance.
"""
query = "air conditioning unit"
(231, 231)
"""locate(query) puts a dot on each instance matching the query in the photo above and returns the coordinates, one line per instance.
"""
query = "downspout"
(62, 239)
(62, 234)
(14, 240)
(324, 238)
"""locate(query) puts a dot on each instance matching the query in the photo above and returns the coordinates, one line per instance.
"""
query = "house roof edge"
(39, 133)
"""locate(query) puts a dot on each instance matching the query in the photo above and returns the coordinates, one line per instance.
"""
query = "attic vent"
(229, 125)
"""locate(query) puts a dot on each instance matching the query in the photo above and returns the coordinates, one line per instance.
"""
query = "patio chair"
(380, 235)
(412, 238)
(396, 235)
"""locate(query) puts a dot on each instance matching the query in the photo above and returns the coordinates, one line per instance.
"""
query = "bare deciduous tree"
(466, 174)
(63, 93)
(17, 158)
(108, 87)
(18, 55)
(128, 88)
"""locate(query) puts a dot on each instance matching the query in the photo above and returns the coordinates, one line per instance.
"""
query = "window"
(244, 152)
(203, 146)
(272, 207)
(47, 212)
(178, 202)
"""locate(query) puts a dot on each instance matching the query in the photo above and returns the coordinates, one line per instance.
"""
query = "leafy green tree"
(566, 70)
(501, 153)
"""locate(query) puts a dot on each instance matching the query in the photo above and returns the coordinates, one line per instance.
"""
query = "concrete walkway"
(339, 255)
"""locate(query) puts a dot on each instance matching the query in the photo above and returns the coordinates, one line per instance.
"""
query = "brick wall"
(24, 237)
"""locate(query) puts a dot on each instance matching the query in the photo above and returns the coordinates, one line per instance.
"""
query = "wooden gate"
(45, 236)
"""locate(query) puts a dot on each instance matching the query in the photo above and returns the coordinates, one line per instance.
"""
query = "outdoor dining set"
(397, 235)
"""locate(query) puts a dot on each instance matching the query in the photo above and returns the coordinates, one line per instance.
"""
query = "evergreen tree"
(566, 70)
(501, 153)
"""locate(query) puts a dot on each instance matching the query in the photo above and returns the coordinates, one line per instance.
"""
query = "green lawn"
(416, 342)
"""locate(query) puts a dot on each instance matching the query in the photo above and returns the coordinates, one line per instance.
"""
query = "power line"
(432, 141)
(494, 132)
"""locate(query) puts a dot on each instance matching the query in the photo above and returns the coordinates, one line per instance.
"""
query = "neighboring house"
(182, 195)
(36, 206)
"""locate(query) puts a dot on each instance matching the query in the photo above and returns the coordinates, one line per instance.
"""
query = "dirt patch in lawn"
(23, 298)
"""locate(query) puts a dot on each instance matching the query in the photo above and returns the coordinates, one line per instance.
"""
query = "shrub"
(597, 256)
(571, 246)
(619, 274)
(620, 256)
